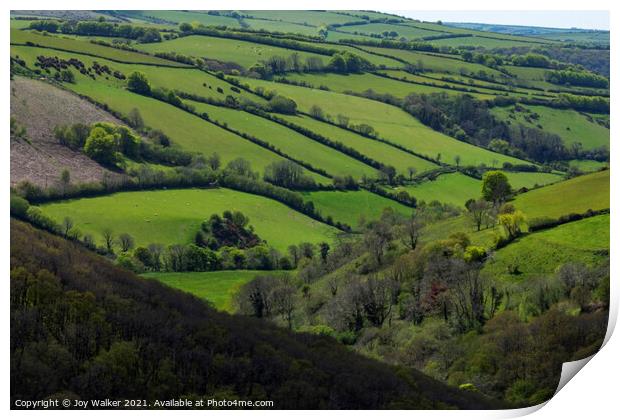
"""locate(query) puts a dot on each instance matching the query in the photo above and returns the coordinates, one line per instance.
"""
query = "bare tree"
(478, 211)
(126, 241)
(67, 225)
(108, 237)
(410, 231)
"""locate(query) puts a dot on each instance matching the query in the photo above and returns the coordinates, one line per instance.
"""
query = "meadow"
(453, 188)
(572, 126)
(174, 216)
(359, 83)
(435, 62)
(244, 53)
(538, 254)
(218, 287)
(84, 46)
(352, 206)
(288, 141)
(382, 152)
(408, 32)
(576, 195)
(175, 17)
(390, 122)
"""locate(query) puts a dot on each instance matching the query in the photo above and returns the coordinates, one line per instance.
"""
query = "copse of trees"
(577, 78)
(138, 83)
(346, 62)
(232, 229)
(95, 28)
(289, 175)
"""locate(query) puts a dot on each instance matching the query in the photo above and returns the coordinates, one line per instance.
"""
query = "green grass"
(572, 126)
(531, 179)
(378, 28)
(82, 46)
(381, 152)
(359, 83)
(288, 141)
(218, 287)
(244, 53)
(588, 165)
(174, 216)
(454, 188)
(185, 16)
(311, 17)
(188, 131)
(390, 122)
(276, 26)
(183, 79)
(349, 206)
(541, 253)
(435, 62)
(575, 195)
(477, 41)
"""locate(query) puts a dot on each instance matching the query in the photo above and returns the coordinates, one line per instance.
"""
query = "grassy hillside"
(576, 195)
(83, 46)
(572, 126)
(454, 188)
(379, 151)
(540, 253)
(390, 122)
(531, 179)
(359, 83)
(217, 287)
(289, 141)
(174, 216)
(223, 49)
(350, 206)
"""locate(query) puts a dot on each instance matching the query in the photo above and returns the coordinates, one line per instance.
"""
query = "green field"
(381, 152)
(531, 179)
(408, 32)
(575, 195)
(217, 287)
(83, 46)
(277, 26)
(288, 141)
(186, 130)
(588, 165)
(310, 17)
(572, 126)
(435, 62)
(390, 122)
(480, 42)
(454, 188)
(175, 16)
(359, 83)
(174, 216)
(243, 53)
(540, 253)
(350, 206)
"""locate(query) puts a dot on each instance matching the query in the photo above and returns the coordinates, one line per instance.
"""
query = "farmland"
(240, 52)
(572, 126)
(173, 216)
(540, 253)
(351, 206)
(192, 190)
(390, 122)
(576, 195)
(217, 287)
